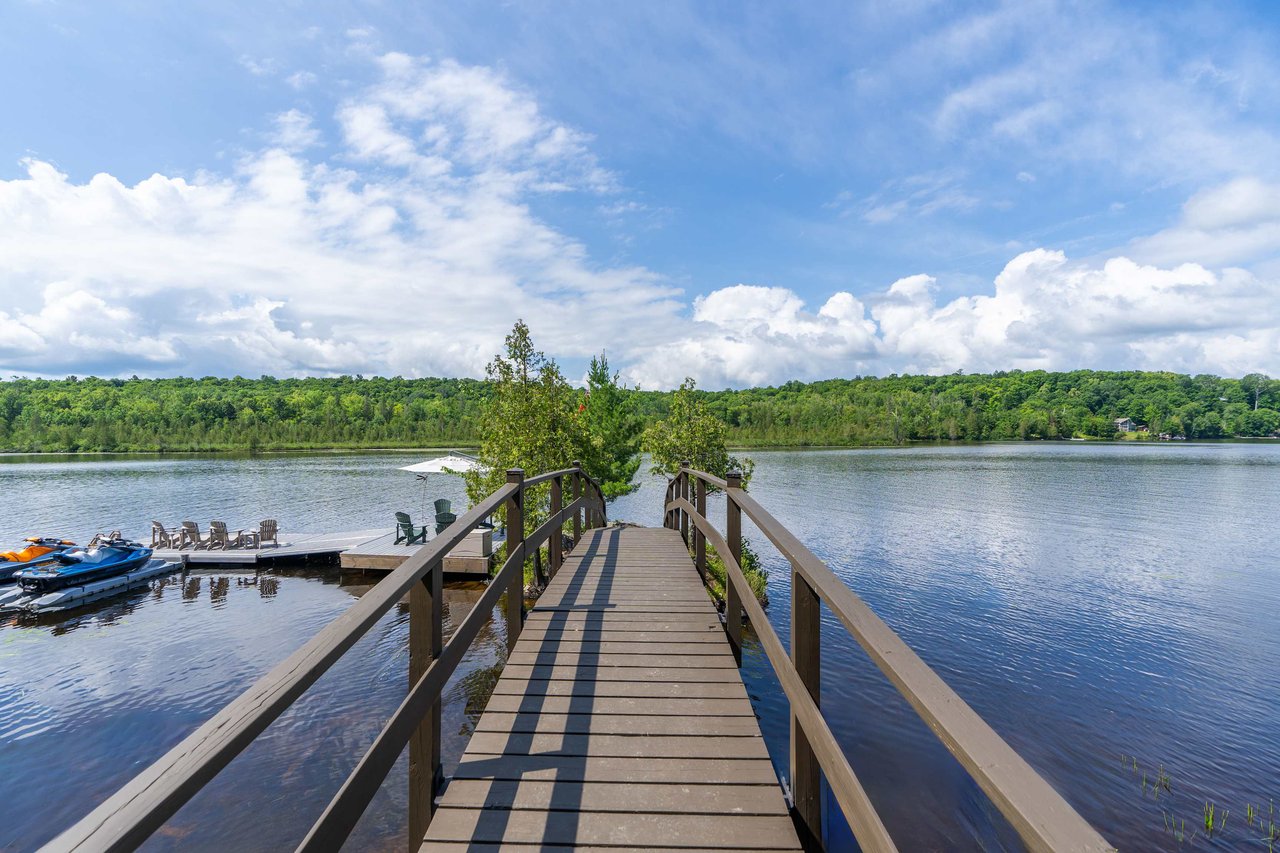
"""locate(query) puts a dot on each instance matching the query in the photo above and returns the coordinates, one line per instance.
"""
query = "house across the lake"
(1125, 425)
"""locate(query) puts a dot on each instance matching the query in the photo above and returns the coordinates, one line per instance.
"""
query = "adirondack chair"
(407, 533)
(221, 539)
(443, 520)
(443, 505)
(267, 531)
(191, 536)
(165, 537)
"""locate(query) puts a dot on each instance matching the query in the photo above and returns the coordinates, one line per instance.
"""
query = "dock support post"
(515, 544)
(426, 642)
(684, 493)
(700, 538)
(806, 647)
(577, 493)
(733, 535)
(555, 553)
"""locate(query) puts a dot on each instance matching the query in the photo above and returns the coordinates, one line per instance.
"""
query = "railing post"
(684, 493)
(515, 540)
(555, 553)
(733, 535)
(806, 654)
(577, 493)
(700, 538)
(426, 641)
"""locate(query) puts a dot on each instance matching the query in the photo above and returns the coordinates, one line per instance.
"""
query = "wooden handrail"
(128, 817)
(347, 806)
(1040, 815)
(867, 827)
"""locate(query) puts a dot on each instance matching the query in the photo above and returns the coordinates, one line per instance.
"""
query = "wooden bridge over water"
(620, 720)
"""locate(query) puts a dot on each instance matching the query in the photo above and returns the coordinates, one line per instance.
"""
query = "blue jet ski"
(104, 558)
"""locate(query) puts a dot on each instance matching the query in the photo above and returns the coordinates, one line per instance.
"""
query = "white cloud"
(301, 79)
(1045, 312)
(410, 247)
(417, 264)
(1235, 223)
(752, 335)
(916, 195)
(258, 67)
(293, 131)
(1065, 84)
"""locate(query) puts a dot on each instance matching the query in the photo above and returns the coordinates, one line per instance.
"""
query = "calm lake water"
(1090, 601)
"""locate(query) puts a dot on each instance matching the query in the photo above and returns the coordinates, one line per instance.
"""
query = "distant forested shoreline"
(215, 414)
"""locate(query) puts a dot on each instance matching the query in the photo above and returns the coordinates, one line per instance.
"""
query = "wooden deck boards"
(619, 722)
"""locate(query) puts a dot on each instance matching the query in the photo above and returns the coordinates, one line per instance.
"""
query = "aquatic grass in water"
(1259, 829)
(1215, 820)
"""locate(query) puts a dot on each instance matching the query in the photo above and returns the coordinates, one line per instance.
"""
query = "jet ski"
(38, 550)
(105, 557)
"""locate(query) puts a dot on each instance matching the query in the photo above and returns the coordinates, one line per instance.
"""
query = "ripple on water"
(1088, 601)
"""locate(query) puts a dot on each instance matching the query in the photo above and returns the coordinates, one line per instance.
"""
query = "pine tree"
(612, 450)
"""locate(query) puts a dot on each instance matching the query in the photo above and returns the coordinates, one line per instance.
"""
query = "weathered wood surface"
(620, 720)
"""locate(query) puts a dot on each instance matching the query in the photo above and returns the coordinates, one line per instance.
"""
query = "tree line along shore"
(218, 414)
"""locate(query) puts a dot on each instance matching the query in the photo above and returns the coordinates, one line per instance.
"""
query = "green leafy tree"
(215, 414)
(530, 422)
(691, 433)
(612, 450)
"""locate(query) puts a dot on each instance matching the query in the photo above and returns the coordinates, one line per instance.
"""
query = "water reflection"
(128, 678)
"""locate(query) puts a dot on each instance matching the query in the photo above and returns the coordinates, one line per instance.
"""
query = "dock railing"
(128, 817)
(1044, 820)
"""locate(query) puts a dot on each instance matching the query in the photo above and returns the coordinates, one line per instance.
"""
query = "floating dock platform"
(296, 546)
(356, 550)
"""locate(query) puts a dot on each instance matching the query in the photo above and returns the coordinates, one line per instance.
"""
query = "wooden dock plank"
(563, 746)
(541, 703)
(620, 720)
(702, 771)
(571, 657)
(609, 724)
(570, 672)
(632, 831)
(620, 689)
(586, 633)
(628, 796)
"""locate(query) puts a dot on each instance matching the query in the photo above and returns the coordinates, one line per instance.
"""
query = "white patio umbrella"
(452, 462)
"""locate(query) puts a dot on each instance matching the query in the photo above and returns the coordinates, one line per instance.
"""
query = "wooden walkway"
(619, 721)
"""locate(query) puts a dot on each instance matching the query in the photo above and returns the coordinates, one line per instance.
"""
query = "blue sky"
(745, 193)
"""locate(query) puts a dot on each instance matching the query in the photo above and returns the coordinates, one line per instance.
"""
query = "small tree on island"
(530, 422)
(612, 431)
(691, 433)
(536, 421)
